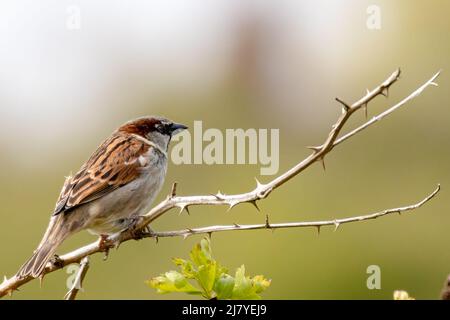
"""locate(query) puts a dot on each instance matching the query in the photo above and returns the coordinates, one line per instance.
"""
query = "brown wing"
(102, 173)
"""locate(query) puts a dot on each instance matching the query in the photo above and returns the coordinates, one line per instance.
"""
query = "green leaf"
(201, 253)
(212, 278)
(224, 287)
(260, 283)
(187, 269)
(206, 276)
(172, 281)
(246, 288)
(242, 286)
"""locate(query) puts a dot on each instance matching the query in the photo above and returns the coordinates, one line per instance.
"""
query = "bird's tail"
(53, 237)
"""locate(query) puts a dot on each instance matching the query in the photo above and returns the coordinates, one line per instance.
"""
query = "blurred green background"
(66, 86)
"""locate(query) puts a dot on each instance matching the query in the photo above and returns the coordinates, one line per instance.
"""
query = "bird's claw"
(104, 245)
(139, 233)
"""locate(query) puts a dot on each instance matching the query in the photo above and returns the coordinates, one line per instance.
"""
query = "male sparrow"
(117, 184)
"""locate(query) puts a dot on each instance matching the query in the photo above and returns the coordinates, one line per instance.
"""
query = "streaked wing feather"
(102, 173)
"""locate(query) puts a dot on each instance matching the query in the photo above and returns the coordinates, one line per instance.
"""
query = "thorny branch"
(267, 225)
(261, 191)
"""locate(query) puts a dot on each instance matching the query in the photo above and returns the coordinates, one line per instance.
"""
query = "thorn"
(236, 225)
(399, 212)
(219, 195)
(314, 148)
(10, 292)
(232, 205)
(385, 92)
(318, 230)
(173, 191)
(184, 207)
(322, 160)
(253, 202)
(367, 91)
(345, 105)
(156, 239)
(434, 84)
(336, 225)
(209, 235)
(216, 196)
(258, 184)
(267, 222)
(365, 109)
(185, 236)
(106, 255)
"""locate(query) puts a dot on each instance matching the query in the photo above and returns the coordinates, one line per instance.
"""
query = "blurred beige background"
(66, 86)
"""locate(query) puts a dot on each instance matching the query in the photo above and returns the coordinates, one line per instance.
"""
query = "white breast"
(133, 199)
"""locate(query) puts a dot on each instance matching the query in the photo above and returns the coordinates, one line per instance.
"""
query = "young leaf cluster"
(203, 275)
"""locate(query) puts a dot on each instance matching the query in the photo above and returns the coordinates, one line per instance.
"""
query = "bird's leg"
(139, 233)
(130, 230)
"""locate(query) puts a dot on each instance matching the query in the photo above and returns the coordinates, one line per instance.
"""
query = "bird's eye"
(162, 128)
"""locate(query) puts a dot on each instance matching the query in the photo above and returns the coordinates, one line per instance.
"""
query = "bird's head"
(156, 129)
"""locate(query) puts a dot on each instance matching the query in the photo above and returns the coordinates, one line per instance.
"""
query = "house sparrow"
(117, 184)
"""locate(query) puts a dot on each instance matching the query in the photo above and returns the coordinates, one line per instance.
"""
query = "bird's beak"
(177, 128)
